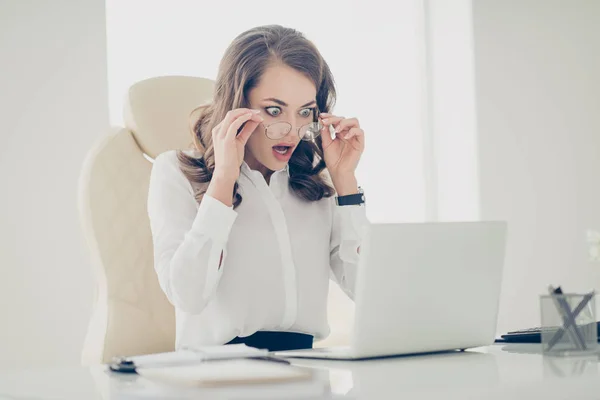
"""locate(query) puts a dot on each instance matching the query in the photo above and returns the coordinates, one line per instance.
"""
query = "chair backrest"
(131, 314)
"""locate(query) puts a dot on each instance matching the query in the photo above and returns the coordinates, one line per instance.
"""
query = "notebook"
(227, 372)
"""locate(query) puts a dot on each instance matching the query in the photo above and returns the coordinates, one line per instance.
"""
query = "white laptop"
(424, 287)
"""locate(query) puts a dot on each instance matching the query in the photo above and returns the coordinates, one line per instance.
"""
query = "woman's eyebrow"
(310, 103)
(284, 104)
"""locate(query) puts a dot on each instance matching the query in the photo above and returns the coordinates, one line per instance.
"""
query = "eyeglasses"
(308, 132)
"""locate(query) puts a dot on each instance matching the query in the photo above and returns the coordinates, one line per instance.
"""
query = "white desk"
(488, 372)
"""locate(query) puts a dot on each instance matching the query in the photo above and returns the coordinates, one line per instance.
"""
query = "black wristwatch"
(357, 199)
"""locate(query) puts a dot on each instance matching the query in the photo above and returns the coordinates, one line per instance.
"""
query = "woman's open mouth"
(283, 152)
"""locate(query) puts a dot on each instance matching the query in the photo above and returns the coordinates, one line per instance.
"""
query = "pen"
(569, 323)
(273, 359)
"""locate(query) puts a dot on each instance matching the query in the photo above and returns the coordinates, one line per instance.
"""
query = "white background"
(537, 65)
(53, 106)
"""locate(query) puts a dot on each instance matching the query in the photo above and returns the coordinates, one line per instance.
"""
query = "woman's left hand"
(343, 152)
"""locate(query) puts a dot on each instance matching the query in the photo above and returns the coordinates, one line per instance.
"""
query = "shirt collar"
(246, 168)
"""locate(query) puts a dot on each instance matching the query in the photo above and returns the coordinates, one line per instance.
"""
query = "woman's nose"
(291, 135)
(295, 127)
(296, 123)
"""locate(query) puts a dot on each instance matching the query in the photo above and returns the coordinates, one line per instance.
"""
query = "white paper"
(197, 355)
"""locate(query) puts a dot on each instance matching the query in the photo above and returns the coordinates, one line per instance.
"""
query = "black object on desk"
(276, 341)
(122, 365)
(532, 335)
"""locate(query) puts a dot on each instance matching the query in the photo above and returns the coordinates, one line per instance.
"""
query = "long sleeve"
(348, 230)
(188, 240)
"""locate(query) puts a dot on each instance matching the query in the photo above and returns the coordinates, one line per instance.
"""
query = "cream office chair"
(131, 315)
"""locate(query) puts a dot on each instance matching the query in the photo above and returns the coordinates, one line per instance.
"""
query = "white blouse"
(278, 252)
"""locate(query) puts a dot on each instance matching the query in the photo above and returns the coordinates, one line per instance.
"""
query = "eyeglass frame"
(316, 113)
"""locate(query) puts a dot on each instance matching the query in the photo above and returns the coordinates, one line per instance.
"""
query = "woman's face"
(282, 95)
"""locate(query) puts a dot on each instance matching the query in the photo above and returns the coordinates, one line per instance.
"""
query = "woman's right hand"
(229, 145)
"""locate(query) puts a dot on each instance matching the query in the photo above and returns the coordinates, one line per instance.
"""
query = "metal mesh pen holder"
(568, 324)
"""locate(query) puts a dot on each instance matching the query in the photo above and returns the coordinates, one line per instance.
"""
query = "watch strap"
(350, 200)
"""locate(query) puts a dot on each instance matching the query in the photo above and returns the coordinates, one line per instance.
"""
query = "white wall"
(451, 152)
(537, 66)
(53, 105)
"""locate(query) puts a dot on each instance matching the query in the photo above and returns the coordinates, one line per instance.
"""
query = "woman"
(248, 226)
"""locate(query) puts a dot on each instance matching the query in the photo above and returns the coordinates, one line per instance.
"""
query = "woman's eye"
(273, 111)
(306, 112)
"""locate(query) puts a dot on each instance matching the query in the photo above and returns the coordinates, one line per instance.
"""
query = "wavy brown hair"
(240, 70)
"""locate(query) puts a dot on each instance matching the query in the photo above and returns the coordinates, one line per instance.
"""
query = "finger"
(357, 133)
(236, 125)
(215, 130)
(255, 118)
(356, 139)
(326, 114)
(340, 136)
(249, 129)
(347, 124)
(331, 120)
(233, 115)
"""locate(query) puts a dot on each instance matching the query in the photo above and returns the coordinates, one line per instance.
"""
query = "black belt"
(276, 341)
